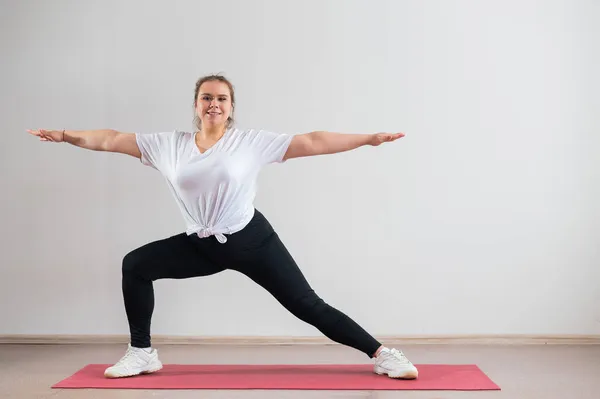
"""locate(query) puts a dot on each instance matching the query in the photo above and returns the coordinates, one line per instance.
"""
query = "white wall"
(484, 219)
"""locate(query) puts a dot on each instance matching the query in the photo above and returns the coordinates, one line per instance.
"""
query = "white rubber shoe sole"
(151, 368)
(404, 375)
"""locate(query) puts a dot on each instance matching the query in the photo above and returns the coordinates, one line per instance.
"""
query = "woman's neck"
(212, 132)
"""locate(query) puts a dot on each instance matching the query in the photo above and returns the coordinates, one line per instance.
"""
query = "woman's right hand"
(55, 136)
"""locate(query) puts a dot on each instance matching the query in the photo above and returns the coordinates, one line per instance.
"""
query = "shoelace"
(128, 354)
(399, 355)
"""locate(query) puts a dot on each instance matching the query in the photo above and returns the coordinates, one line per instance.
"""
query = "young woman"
(212, 175)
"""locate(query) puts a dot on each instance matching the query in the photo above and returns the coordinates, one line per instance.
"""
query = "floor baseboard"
(62, 339)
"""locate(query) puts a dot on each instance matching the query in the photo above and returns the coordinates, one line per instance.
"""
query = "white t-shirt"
(214, 190)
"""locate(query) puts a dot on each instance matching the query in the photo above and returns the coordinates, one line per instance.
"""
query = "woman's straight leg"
(268, 263)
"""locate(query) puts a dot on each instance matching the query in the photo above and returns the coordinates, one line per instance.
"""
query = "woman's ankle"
(378, 351)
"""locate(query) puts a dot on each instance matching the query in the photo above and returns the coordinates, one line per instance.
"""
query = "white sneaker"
(395, 365)
(136, 361)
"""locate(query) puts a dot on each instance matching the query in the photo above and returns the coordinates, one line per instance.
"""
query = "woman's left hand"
(378, 138)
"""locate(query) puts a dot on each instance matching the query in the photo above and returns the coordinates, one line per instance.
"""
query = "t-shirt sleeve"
(270, 146)
(157, 149)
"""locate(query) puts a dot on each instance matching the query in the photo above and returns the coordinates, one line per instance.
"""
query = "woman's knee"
(133, 263)
(309, 306)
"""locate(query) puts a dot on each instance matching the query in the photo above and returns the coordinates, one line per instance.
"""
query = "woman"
(212, 175)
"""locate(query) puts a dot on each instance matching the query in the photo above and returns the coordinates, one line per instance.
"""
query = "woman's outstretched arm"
(95, 140)
(321, 143)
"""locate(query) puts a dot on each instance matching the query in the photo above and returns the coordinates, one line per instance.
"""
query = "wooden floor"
(522, 371)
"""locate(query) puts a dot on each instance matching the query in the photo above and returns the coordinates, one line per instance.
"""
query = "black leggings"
(257, 252)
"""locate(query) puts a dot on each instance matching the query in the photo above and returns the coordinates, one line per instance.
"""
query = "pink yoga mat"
(299, 377)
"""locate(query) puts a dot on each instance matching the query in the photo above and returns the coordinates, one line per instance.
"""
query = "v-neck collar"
(210, 149)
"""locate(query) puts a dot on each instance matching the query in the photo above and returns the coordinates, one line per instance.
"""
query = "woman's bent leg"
(175, 257)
